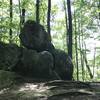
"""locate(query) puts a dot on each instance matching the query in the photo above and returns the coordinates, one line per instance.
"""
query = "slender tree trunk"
(20, 16)
(48, 18)
(76, 47)
(99, 8)
(68, 26)
(79, 30)
(65, 9)
(69, 29)
(86, 62)
(94, 62)
(81, 46)
(1, 21)
(81, 51)
(23, 16)
(37, 11)
(11, 16)
(82, 59)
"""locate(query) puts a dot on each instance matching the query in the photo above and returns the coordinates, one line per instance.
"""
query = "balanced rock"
(34, 36)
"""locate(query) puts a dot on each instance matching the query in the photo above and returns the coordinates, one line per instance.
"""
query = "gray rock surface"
(9, 55)
(34, 64)
(63, 64)
(33, 36)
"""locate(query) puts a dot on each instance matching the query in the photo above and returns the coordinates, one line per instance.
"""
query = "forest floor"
(52, 90)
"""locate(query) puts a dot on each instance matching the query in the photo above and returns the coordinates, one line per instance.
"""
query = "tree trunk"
(48, 18)
(37, 11)
(20, 15)
(81, 47)
(99, 8)
(11, 16)
(94, 61)
(65, 9)
(69, 32)
(1, 23)
(76, 47)
(23, 16)
(87, 65)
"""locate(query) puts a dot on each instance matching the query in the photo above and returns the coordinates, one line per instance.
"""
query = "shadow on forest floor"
(52, 90)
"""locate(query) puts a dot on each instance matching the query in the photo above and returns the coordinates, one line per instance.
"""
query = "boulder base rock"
(34, 64)
(63, 64)
(9, 55)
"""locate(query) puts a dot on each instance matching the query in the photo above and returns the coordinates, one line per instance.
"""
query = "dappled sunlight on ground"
(53, 90)
(3, 90)
(33, 87)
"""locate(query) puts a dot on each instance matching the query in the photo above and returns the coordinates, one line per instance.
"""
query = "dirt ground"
(52, 90)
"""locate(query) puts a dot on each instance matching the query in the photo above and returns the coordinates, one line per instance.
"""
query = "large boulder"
(35, 65)
(34, 36)
(26, 62)
(63, 64)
